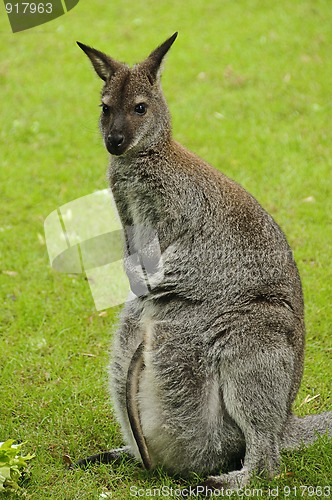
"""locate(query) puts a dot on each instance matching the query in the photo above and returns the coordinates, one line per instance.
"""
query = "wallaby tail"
(304, 430)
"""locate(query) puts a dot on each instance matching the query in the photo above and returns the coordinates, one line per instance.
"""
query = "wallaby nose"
(115, 140)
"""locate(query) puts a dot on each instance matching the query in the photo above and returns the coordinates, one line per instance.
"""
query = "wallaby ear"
(153, 62)
(104, 65)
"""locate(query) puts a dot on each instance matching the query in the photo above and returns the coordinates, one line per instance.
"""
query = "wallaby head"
(134, 112)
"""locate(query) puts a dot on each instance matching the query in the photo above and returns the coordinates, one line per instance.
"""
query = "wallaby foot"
(234, 480)
(107, 457)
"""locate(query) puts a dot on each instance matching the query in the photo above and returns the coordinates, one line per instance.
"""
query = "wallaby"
(207, 363)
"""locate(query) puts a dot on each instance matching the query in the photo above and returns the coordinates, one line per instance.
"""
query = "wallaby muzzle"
(115, 143)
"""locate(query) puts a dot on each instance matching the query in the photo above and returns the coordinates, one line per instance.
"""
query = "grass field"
(249, 87)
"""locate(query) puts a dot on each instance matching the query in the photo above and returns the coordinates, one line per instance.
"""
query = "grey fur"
(223, 329)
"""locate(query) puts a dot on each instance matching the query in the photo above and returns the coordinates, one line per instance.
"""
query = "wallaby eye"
(105, 109)
(140, 108)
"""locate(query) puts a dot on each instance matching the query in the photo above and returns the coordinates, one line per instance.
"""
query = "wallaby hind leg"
(256, 383)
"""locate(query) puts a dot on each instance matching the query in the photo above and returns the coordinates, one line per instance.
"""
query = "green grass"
(249, 87)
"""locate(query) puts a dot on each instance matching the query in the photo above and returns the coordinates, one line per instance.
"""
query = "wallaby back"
(223, 325)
